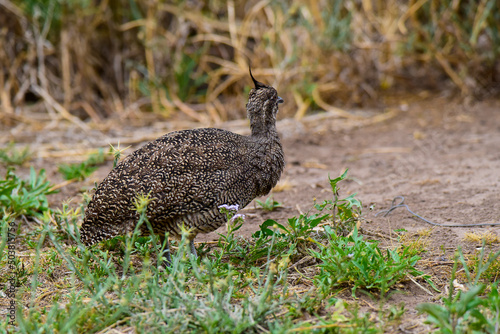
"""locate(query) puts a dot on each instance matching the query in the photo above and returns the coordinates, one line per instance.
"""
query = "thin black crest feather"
(256, 83)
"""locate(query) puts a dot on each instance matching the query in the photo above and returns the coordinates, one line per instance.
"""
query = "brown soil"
(441, 155)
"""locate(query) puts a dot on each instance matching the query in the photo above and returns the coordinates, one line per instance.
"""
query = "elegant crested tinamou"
(189, 174)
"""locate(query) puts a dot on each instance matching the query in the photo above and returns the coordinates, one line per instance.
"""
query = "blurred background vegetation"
(91, 60)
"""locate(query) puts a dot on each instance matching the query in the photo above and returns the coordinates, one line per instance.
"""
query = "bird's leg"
(168, 257)
(191, 247)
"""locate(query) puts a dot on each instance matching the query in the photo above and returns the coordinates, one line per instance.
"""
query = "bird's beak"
(280, 100)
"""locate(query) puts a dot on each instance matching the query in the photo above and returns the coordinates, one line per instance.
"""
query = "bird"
(188, 175)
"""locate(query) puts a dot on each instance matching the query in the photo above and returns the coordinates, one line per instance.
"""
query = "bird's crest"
(256, 83)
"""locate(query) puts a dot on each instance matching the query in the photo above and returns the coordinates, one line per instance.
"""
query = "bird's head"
(262, 106)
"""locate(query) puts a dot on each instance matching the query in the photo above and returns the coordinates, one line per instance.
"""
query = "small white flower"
(350, 255)
(236, 216)
(234, 207)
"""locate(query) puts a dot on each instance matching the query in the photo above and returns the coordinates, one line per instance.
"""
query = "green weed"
(344, 212)
(467, 311)
(344, 317)
(270, 204)
(24, 197)
(80, 171)
(117, 153)
(8, 228)
(302, 231)
(357, 263)
(492, 271)
(296, 238)
(66, 219)
(12, 156)
(229, 242)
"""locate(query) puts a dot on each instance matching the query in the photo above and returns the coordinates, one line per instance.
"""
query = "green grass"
(238, 285)
(269, 204)
(190, 296)
(473, 310)
(10, 155)
(24, 197)
(80, 171)
(344, 212)
(359, 264)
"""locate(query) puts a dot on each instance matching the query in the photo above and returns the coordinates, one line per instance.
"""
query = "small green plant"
(357, 263)
(12, 156)
(302, 232)
(25, 197)
(52, 262)
(270, 204)
(233, 249)
(80, 171)
(66, 218)
(282, 242)
(492, 272)
(302, 227)
(347, 318)
(457, 313)
(344, 212)
(467, 311)
(20, 271)
(117, 153)
(229, 241)
(489, 320)
(298, 231)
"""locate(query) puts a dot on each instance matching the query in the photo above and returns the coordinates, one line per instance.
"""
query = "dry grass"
(117, 58)
(478, 237)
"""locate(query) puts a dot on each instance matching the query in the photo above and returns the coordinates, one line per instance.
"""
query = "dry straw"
(81, 60)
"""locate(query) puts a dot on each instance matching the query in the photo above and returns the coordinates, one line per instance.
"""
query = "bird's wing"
(181, 171)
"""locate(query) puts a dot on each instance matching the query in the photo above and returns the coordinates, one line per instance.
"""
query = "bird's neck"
(263, 124)
(270, 161)
(263, 130)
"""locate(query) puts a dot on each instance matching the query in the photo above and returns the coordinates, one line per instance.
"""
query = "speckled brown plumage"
(189, 174)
